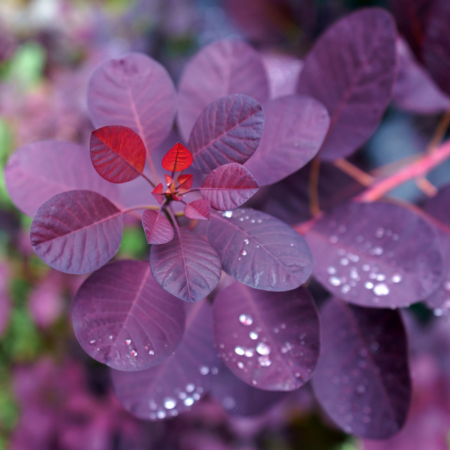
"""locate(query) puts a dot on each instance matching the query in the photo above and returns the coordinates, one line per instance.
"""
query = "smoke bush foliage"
(170, 329)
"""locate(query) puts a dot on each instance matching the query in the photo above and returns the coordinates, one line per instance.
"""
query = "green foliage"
(134, 244)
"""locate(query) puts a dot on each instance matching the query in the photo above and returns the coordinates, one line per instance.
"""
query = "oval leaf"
(124, 319)
(273, 337)
(259, 250)
(225, 67)
(229, 186)
(177, 158)
(362, 379)
(174, 386)
(77, 231)
(228, 130)
(134, 91)
(376, 254)
(198, 210)
(158, 230)
(294, 130)
(351, 70)
(187, 267)
(117, 153)
(40, 170)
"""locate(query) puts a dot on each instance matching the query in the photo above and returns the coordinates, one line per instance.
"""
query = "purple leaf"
(436, 45)
(295, 128)
(198, 210)
(117, 153)
(180, 381)
(229, 186)
(227, 131)
(240, 399)
(415, 91)
(158, 230)
(376, 254)
(362, 379)
(273, 337)
(124, 319)
(351, 70)
(77, 231)
(134, 91)
(259, 250)
(40, 170)
(222, 68)
(187, 267)
(5, 301)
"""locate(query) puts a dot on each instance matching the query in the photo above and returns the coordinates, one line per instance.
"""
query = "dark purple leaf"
(268, 339)
(351, 70)
(134, 91)
(77, 231)
(187, 267)
(294, 130)
(415, 91)
(117, 153)
(158, 230)
(229, 186)
(240, 399)
(227, 131)
(124, 319)
(376, 254)
(436, 45)
(5, 301)
(198, 210)
(180, 381)
(40, 170)
(362, 379)
(259, 250)
(225, 67)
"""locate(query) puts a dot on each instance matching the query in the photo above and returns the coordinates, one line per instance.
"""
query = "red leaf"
(177, 158)
(169, 180)
(185, 182)
(158, 230)
(198, 210)
(117, 153)
(157, 193)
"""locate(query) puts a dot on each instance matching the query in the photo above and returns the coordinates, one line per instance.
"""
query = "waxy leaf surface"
(227, 131)
(177, 158)
(294, 130)
(38, 171)
(198, 210)
(259, 250)
(229, 186)
(117, 153)
(134, 91)
(225, 67)
(158, 230)
(376, 254)
(351, 70)
(158, 193)
(270, 340)
(362, 378)
(187, 267)
(77, 231)
(123, 318)
(175, 385)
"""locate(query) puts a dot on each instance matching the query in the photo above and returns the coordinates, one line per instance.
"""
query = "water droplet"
(214, 370)
(229, 403)
(240, 364)
(239, 350)
(381, 289)
(92, 342)
(252, 221)
(395, 237)
(365, 267)
(264, 361)
(246, 241)
(360, 389)
(259, 221)
(331, 270)
(152, 405)
(354, 274)
(182, 395)
(368, 285)
(111, 336)
(161, 414)
(286, 347)
(241, 219)
(243, 252)
(381, 277)
(345, 289)
(353, 258)
(283, 326)
(276, 330)
(344, 262)
(190, 387)
(189, 401)
(128, 341)
(169, 403)
(379, 233)
(263, 349)
(253, 335)
(249, 352)
(133, 352)
(396, 278)
(228, 214)
(334, 281)
(196, 396)
(333, 239)
(245, 319)
(377, 251)
(151, 352)
(438, 312)
(204, 370)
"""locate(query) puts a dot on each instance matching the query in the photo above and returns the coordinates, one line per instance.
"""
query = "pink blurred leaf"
(158, 230)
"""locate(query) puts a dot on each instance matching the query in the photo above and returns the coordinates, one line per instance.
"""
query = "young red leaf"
(158, 193)
(187, 267)
(168, 179)
(77, 231)
(177, 158)
(137, 92)
(185, 182)
(228, 130)
(228, 66)
(198, 210)
(158, 230)
(124, 319)
(117, 153)
(229, 186)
